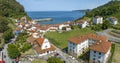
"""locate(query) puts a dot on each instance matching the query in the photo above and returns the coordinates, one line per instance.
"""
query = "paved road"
(5, 53)
(110, 37)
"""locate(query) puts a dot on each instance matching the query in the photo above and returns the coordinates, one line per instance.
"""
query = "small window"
(94, 55)
(99, 53)
(99, 57)
(94, 51)
(94, 59)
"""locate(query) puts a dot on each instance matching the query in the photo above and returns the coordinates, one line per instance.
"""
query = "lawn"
(60, 39)
(116, 55)
(39, 61)
(29, 52)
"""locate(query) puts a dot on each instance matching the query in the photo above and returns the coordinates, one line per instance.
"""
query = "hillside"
(112, 8)
(11, 8)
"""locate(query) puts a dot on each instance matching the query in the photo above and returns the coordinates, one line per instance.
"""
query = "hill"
(112, 8)
(11, 8)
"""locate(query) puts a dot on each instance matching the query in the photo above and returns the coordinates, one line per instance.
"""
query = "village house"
(113, 20)
(67, 26)
(100, 52)
(79, 44)
(43, 46)
(82, 23)
(98, 20)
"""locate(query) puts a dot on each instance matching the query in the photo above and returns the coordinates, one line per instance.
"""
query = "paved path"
(110, 37)
(5, 53)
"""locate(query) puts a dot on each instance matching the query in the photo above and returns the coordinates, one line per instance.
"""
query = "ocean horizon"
(57, 16)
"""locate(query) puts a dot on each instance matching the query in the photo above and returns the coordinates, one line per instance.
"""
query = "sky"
(60, 5)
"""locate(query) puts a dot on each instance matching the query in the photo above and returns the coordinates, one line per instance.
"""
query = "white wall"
(96, 56)
(98, 20)
(45, 44)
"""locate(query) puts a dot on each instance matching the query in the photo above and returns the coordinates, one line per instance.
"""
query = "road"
(5, 53)
(110, 37)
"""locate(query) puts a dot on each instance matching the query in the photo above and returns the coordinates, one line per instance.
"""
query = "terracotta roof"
(98, 17)
(40, 41)
(81, 21)
(102, 47)
(40, 51)
(79, 39)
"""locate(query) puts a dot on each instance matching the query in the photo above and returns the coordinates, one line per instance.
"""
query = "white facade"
(113, 21)
(83, 25)
(98, 20)
(63, 25)
(98, 57)
(77, 49)
(45, 44)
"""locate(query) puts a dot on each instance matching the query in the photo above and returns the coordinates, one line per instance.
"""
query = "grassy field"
(116, 55)
(39, 61)
(60, 39)
(29, 52)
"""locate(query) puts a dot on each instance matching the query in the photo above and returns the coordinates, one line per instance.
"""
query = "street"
(110, 37)
(5, 55)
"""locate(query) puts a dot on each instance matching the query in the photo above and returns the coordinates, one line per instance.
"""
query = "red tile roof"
(40, 41)
(101, 47)
(40, 51)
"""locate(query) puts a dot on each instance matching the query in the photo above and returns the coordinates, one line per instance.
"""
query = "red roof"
(101, 47)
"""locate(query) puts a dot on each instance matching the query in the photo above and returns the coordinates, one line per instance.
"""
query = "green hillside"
(112, 8)
(11, 8)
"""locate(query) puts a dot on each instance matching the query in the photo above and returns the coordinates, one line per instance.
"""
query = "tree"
(25, 47)
(7, 35)
(54, 60)
(13, 51)
(3, 24)
(106, 25)
(64, 28)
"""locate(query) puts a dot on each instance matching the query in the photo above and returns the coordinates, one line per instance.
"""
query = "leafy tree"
(54, 60)
(106, 25)
(25, 47)
(3, 24)
(7, 35)
(13, 51)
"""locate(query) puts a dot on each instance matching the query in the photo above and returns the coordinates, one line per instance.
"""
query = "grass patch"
(29, 52)
(112, 53)
(60, 39)
(116, 55)
(39, 61)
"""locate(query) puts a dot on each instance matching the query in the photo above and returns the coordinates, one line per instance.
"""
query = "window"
(99, 57)
(94, 55)
(99, 53)
(94, 51)
(94, 59)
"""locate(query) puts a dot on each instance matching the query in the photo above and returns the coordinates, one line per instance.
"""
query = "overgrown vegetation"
(112, 8)
(11, 8)
(54, 60)
(21, 46)
(112, 52)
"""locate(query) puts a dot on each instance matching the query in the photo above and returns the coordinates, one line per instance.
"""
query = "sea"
(57, 16)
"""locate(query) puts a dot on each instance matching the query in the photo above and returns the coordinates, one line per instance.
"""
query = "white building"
(100, 52)
(43, 47)
(98, 20)
(82, 23)
(113, 20)
(78, 45)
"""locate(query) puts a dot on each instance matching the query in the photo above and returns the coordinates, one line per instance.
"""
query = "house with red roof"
(98, 45)
(43, 46)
